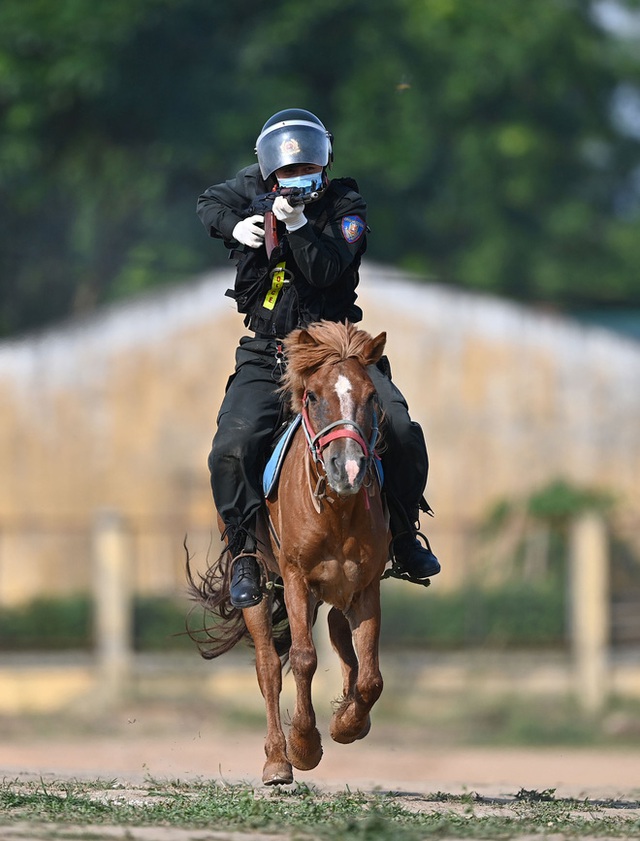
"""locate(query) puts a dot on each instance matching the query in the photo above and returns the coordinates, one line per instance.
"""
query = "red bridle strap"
(344, 432)
(338, 429)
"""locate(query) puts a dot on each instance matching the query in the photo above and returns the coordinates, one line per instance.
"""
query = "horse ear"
(304, 337)
(375, 348)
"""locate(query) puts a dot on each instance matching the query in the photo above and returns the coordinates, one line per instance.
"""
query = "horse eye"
(311, 397)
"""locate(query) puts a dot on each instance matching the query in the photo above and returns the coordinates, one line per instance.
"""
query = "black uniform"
(321, 261)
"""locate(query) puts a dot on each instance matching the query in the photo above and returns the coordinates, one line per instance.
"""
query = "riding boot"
(245, 589)
(411, 560)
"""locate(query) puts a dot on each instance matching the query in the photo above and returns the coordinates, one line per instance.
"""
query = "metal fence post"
(113, 605)
(589, 594)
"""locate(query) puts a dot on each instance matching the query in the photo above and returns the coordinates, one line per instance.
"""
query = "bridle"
(318, 441)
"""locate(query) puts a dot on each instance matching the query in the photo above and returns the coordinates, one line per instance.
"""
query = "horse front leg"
(277, 768)
(304, 746)
(342, 643)
(351, 719)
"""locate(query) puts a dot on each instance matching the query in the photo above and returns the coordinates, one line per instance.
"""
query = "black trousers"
(253, 409)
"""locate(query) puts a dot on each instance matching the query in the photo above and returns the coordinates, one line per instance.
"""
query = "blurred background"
(498, 148)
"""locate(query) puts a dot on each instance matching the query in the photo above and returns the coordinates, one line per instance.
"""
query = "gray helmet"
(293, 136)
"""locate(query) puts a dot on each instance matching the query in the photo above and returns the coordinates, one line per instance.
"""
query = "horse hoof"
(365, 730)
(344, 735)
(277, 774)
(341, 737)
(307, 762)
(304, 754)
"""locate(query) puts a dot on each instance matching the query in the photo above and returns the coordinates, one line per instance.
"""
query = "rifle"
(263, 204)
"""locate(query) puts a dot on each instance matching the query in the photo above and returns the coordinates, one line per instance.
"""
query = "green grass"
(303, 812)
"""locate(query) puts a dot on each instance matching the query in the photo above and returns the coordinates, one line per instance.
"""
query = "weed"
(302, 811)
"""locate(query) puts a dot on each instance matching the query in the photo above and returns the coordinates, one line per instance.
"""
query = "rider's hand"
(293, 217)
(249, 231)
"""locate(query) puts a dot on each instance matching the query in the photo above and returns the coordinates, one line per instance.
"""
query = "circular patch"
(290, 146)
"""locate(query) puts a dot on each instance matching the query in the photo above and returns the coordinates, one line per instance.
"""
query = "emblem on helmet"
(290, 146)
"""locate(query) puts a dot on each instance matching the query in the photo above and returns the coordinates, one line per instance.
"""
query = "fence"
(120, 561)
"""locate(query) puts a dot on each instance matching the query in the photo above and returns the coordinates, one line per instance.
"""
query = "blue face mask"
(307, 183)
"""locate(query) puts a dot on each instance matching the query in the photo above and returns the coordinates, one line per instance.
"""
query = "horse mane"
(321, 343)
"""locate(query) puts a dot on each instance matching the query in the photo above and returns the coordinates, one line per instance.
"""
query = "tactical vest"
(275, 303)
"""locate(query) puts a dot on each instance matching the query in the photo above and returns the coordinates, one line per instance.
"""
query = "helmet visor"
(298, 143)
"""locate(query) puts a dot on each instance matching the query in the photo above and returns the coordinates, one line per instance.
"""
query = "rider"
(311, 274)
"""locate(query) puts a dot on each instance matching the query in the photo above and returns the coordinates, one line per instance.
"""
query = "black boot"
(245, 582)
(244, 590)
(413, 561)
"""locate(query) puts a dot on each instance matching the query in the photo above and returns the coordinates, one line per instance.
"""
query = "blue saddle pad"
(273, 466)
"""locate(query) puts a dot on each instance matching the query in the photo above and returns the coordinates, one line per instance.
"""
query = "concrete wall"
(117, 412)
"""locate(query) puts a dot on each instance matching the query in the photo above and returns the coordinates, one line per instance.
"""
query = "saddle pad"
(379, 471)
(272, 468)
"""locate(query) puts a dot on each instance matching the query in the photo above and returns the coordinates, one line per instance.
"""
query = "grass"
(303, 812)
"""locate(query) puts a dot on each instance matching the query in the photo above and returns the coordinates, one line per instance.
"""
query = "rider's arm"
(323, 256)
(222, 206)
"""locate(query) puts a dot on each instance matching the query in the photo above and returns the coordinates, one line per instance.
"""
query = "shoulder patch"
(352, 228)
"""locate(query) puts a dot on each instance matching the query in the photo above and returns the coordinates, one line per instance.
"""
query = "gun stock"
(270, 231)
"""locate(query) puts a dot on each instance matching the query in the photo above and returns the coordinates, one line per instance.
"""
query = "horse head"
(329, 384)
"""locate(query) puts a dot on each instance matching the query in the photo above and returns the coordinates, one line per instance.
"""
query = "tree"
(482, 136)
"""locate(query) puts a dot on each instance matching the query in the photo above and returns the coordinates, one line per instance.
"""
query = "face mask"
(307, 183)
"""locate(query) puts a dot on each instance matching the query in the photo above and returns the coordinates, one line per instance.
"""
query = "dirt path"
(387, 761)
(380, 762)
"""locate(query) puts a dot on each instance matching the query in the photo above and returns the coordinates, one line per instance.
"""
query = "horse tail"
(222, 626)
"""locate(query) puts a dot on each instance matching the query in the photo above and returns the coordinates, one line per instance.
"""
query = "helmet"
(293, 136)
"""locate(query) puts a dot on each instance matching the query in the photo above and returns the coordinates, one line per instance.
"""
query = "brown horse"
(324, 533)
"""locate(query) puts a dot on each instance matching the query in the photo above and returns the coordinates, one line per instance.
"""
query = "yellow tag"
(277, 282)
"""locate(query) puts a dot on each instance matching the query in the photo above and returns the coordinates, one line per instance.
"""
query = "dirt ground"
(387, 760)
(137, 749)
(197, 737)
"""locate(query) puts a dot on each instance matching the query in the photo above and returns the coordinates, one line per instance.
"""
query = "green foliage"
(311, 814)
(159, 624)
(559, 502)
(47, 624)
(58, 624)
(483, 139)
(546, 513)
(516, 614)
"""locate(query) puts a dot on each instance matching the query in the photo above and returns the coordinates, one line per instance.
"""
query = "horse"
(323, 537)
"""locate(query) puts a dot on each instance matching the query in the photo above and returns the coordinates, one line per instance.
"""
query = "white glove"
(249, 232)
(293, 217)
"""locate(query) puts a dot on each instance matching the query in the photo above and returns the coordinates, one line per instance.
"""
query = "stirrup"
(396, 571)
